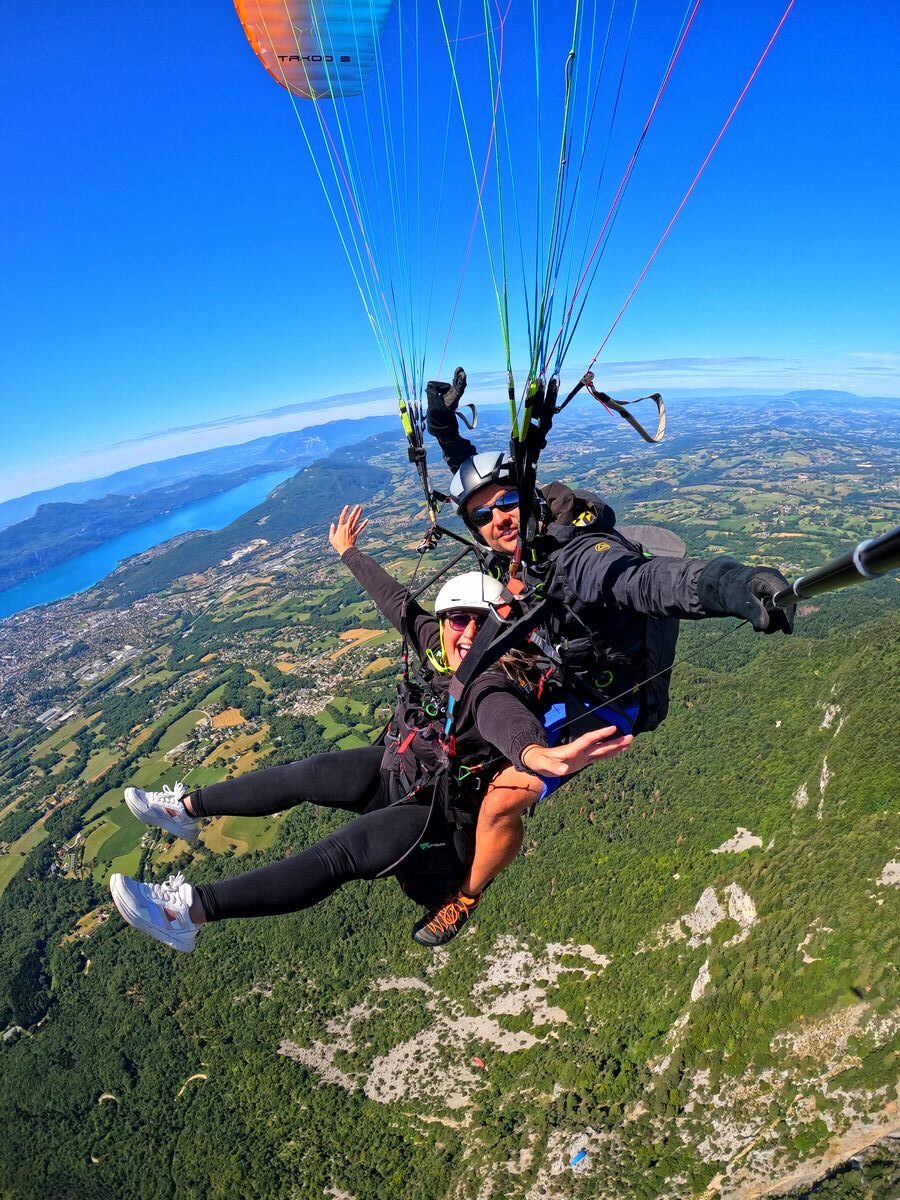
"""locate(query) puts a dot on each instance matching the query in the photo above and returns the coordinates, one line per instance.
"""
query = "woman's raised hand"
(349, 525)
(587, 749)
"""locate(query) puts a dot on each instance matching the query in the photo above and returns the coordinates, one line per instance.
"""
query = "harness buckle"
(430, 540)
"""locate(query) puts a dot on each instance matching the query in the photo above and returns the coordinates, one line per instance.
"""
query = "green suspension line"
(555, 221)
(499, 292)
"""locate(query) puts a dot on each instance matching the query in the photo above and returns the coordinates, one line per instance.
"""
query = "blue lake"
(78, 574)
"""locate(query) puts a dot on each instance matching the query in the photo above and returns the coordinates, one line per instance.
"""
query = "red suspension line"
(694, 182)
(479, 202)
(623, 184)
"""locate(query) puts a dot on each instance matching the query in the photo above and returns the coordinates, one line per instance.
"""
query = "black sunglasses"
(458, 621)
(481, 515)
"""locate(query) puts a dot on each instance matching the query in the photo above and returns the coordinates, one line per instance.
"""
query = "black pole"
(869, 560)
(438, 573)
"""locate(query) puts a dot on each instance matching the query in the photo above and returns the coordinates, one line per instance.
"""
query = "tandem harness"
(623, 681)
(421, 762)
(625, 685)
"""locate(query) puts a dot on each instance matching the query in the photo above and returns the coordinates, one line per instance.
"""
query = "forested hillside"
(306, 500)
(690, 973)
(628, 988)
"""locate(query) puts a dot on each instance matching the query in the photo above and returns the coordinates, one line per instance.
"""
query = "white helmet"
(471, 592)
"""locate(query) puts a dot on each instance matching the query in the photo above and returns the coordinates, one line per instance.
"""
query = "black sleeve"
(504, 720)
(443, 425)
(392, 600)
(607, 573)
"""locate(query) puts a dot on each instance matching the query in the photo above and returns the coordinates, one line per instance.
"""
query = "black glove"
(729, 589)
(441, 420)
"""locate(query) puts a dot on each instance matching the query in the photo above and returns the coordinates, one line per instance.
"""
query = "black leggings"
(362, 849)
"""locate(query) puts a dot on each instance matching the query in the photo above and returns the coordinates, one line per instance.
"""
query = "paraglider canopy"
(315, 48)
(406, 109)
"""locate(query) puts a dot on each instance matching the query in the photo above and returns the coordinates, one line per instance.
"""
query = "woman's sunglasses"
(458, 621)
(480, 516)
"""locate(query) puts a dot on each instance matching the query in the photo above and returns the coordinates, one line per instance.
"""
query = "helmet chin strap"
(439, 662)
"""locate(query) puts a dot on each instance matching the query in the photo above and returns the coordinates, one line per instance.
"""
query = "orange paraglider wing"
(317, 49)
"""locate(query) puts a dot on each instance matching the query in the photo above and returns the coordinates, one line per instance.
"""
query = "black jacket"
(601, 577)
(605, 593)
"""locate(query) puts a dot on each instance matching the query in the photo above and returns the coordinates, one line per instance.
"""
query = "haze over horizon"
(238, 429)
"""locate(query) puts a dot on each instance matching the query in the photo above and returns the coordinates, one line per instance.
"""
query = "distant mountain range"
(266, 453)
(306, 445)
(45, 528)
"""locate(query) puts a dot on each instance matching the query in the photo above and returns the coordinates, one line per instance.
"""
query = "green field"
(27, 842)
(155, 773)
(66, 752)
(204, 776)
(258, 681)
(117, 834)
(383, 639)
(287, 609)
(342, 704)
(355, 732)
(259, 834)
(127, 864)
(181, 730)
(98, 763)
(352, 741)
(18, 851)
(359, 611)
(161, 676)
(128, 833)
(9, 866)
(330, 728)
(107, 801)
(95, 839)
(62, 735)
(8, 808)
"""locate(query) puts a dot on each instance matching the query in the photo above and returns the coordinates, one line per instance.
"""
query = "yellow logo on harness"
(601, 546)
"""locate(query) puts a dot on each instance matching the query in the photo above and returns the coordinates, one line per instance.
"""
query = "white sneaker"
(145, 907)
(164, 809)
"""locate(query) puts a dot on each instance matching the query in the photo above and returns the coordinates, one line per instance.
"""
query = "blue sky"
(169, 266)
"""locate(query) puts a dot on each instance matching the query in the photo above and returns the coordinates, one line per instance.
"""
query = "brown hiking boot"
(442, 925)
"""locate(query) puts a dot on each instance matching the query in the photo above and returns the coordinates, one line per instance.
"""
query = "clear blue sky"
(168, 260)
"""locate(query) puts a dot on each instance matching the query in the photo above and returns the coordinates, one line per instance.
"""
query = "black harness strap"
(436, 575)
(493, 639)
(620, 406)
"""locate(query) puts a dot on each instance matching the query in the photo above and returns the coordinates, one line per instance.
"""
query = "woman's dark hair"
(522, 668)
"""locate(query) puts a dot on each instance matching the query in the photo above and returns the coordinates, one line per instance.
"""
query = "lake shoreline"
(84, 571)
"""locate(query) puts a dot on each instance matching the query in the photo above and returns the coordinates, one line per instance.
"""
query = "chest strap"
(492, 641)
